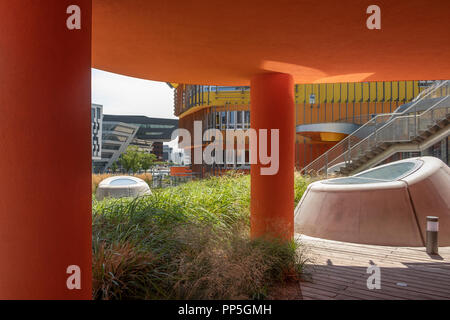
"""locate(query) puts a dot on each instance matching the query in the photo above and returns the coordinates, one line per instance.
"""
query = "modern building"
(116, 137)
(418, 128)
(117, 132)
(152, 133)
(166, 152)
(176, 156)
(96, 130)
(324, 113)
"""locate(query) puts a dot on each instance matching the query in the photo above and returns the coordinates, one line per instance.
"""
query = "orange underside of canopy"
(227, 42)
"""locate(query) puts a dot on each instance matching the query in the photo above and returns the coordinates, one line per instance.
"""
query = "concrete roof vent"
(122, 186)
(387, 205)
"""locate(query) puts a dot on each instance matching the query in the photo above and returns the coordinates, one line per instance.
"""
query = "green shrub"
(300, 185)
(187, 242)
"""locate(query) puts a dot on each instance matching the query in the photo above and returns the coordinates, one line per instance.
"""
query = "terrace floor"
(338, 271)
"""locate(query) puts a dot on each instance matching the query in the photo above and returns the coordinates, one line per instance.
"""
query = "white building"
(175, 155)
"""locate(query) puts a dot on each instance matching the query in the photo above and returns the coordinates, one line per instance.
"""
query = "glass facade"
(96, 130)
(224, 120)
(155, 126)
(439, 150)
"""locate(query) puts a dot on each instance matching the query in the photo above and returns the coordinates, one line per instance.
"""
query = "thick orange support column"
(45, 144)
(272, 196)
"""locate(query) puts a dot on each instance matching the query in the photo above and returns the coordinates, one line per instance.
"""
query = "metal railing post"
(408, 130)
(415, 121)
(375, 133)
(349, 151)
(393, 134)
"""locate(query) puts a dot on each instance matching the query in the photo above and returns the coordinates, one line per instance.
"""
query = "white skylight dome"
(386, 205)
(122, 186)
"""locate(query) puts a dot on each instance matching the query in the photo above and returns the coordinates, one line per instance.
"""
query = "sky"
(124, 95)
(131, 96)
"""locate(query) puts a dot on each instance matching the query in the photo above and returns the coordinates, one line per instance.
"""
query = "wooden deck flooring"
(338, 271)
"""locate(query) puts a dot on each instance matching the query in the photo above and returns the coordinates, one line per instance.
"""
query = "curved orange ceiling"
(226, 42)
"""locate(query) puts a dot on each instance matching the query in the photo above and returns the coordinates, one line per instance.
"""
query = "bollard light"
(432, 234)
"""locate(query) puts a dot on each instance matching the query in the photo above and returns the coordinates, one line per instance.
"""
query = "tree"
(147, 161)
(131, 159)
(114, 167)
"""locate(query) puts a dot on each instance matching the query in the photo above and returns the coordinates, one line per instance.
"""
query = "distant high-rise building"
(112, 134)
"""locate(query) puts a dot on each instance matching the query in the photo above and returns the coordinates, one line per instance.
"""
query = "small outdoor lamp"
(432, 234)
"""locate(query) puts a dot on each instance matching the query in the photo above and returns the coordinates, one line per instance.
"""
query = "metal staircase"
(419, 125)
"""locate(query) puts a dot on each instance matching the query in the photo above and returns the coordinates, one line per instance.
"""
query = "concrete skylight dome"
(386, 205)
(122, 186)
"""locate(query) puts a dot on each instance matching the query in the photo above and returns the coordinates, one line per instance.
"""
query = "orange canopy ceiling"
(226, 42)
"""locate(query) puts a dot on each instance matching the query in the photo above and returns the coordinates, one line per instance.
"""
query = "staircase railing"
(391, 127)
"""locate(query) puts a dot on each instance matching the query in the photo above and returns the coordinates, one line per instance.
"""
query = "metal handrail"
(345, 144)
(396, 119)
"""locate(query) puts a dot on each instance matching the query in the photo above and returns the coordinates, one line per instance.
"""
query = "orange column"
(45, 165)
(272, 196)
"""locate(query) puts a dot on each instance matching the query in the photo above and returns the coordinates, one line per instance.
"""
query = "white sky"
(131, 96)
(125, 95)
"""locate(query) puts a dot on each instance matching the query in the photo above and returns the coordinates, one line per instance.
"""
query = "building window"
(223, 122)
(231, 119)
(217, 120)
(239, 120)
(247, 119)
(153, 133)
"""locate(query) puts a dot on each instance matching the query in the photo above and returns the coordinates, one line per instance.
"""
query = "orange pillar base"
(272, 196)
(45, 166)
